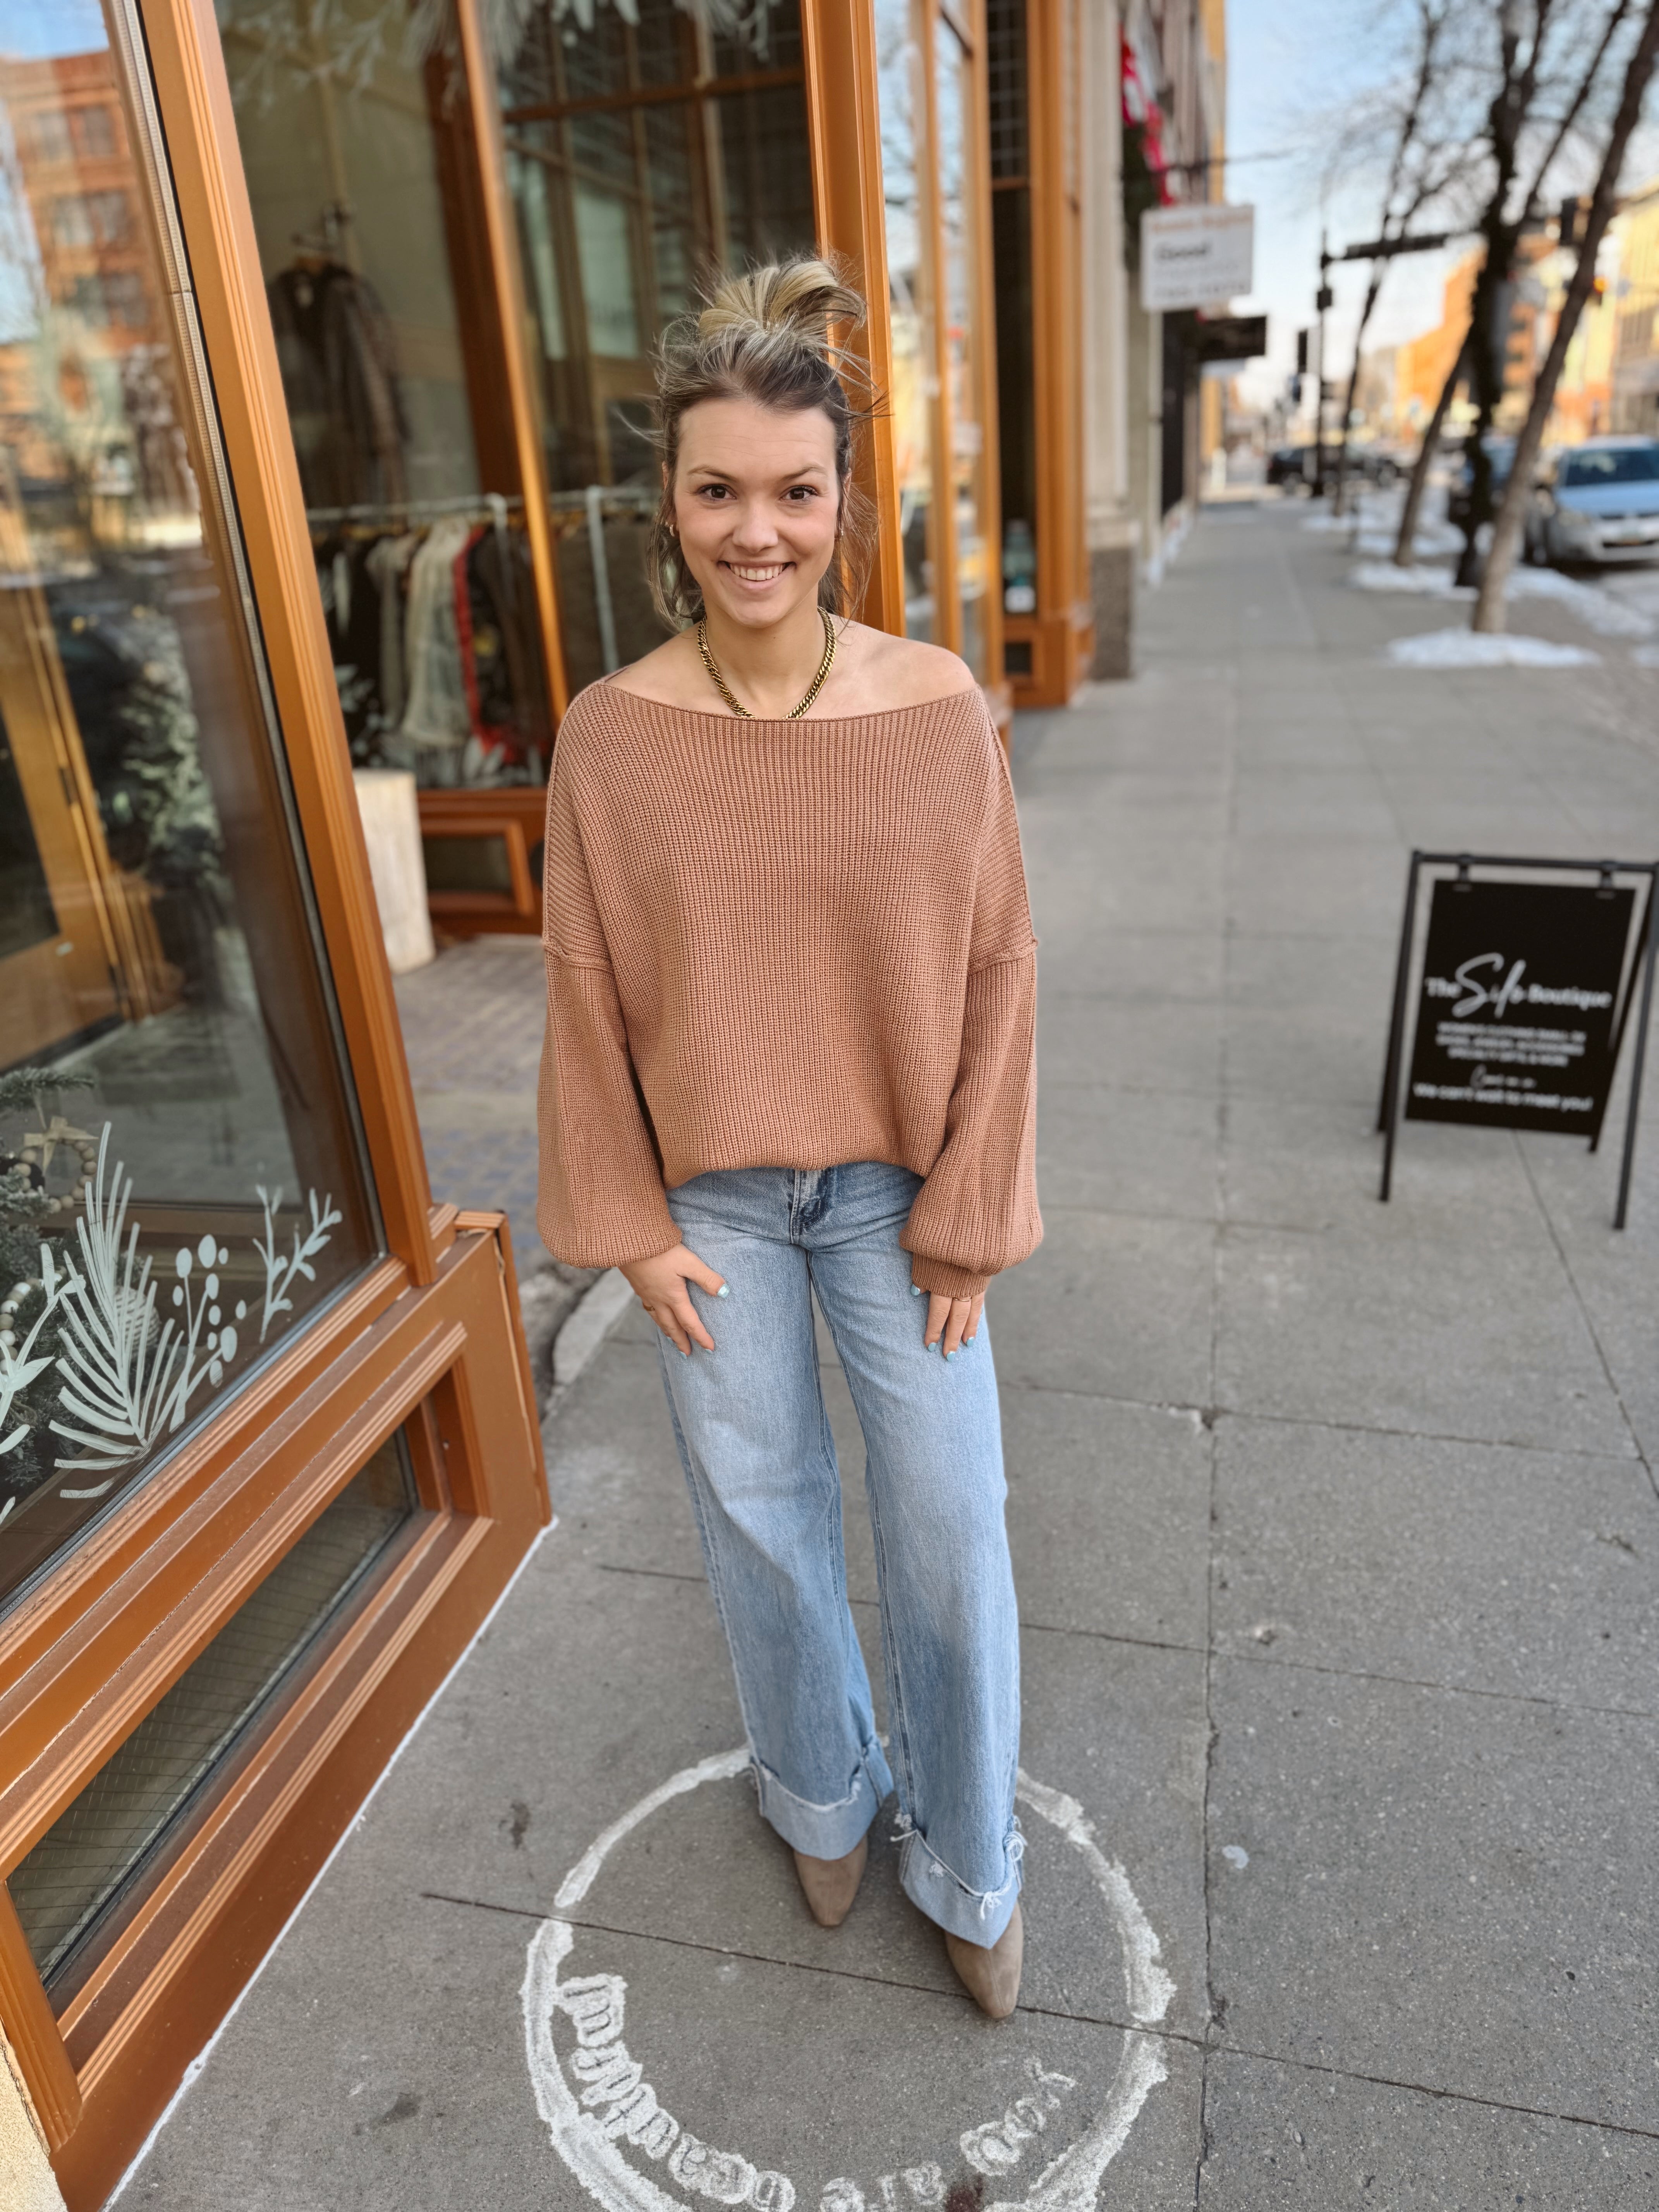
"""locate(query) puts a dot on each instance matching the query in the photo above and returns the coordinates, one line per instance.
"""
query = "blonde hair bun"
(801, 298)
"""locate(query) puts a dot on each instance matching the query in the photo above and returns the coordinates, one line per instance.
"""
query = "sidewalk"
(1337, 1542)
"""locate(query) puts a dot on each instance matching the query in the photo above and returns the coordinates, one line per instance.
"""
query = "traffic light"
(1302, 353)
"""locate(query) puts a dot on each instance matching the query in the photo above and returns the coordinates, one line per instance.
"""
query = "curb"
(585, 1328)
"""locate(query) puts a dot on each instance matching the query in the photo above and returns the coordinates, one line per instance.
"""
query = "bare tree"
(1421, 164)
(1405, 545)
(1529, 83)
(1506, 529)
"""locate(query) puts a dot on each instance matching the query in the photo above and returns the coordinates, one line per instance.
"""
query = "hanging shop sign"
(1193, 257)
(1519, 1009)
(1232, 337)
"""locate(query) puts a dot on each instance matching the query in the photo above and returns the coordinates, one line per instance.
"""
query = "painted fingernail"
(724, 1292)
(950, 1355)
(915, 1290)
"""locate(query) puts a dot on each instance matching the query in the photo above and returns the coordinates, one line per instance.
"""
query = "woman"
(790, 981)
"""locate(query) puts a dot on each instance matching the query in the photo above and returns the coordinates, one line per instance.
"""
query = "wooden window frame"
(1061, 633)
(429, 1334)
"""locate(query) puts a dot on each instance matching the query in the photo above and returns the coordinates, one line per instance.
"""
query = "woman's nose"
(754, 527)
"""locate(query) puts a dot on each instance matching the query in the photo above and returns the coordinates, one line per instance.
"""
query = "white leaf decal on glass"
(280, 1271)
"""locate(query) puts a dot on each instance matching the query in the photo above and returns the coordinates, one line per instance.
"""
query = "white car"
(1598, 502)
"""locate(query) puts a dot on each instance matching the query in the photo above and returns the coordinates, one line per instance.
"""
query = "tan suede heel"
(830, 1885)
(991, 1977)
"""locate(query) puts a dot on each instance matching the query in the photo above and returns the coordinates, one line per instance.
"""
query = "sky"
(1285, 60)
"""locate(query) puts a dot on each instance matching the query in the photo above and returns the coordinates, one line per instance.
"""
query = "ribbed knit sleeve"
(976, 1211)
(600, 1202)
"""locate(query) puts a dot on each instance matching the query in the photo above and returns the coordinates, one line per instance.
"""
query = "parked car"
(1299, 465)
(1501, 453)
(1598, 502)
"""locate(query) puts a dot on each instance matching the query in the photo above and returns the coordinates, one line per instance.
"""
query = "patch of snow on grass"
(1469, 648)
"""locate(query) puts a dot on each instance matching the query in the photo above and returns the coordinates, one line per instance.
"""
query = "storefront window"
(959, 288)
(1010, 223)
(353, 125)
(91, 1858)
(648, 146)
(181, 1178)
(911, 402)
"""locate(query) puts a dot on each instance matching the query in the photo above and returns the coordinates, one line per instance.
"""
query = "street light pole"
(1322, 301)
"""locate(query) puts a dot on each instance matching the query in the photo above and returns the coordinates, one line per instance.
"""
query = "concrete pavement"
(1337, 1542)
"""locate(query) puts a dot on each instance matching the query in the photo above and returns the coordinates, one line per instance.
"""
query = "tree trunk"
(1404, 545)
(1372, 288)
(1506, 529)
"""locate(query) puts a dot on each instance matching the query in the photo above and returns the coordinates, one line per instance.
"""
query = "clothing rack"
(486, 505)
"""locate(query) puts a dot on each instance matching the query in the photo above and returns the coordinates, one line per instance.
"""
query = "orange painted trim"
(843, 116)
(32, 2034)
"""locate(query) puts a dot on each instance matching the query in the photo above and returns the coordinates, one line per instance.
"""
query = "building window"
(92, 219)
(646, 149)
(181, 1181)
(93, 130)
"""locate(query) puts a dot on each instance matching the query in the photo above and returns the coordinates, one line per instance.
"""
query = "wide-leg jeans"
(754, 1437)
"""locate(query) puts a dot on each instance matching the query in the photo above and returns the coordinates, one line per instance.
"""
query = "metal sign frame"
(1389, 1115)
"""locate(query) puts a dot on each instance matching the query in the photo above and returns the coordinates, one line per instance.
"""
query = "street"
(1334, 1528)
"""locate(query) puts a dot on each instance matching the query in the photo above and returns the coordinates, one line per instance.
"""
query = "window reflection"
(179, 1178)
(648, 146)
(904, 164)
(352, 122)
(959, 286)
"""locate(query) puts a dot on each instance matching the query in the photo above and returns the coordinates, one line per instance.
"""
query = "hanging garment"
(507, 684)
(436, 723)
(387, 564)
(339, 368)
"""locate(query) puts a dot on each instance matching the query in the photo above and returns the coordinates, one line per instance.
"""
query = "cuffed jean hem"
(978, 1915)
(824, 1832)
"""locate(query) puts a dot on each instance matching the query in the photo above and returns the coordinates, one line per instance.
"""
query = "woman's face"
(755, 503)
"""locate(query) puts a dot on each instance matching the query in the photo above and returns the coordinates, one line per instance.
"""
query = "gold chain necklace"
(737, 705)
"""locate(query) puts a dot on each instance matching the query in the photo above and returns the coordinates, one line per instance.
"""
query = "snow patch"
(1431, 583)
(1597, 610)
(1469, 648)
(1646, 656)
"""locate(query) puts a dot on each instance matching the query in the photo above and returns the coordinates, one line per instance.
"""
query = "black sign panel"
(1520, 992)
(1232, 338)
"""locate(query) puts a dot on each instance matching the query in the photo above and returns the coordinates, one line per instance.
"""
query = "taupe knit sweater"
(775, 944)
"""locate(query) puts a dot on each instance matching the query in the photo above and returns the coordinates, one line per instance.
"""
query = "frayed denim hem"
(978, 1915)
(824, 1832)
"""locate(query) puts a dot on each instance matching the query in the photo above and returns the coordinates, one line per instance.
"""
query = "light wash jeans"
(754, 1440)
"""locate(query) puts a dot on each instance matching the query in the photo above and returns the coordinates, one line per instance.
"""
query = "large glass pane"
(181, 1179)
(959, 287)
(1011, 238)
(352, 122)
(912, 400)
(99, 1847)
(645, 149)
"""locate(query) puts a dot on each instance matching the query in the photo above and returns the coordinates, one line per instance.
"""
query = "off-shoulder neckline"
(612, 689)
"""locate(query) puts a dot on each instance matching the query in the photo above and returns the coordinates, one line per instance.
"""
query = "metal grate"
(89, 1857)
(1005, 26)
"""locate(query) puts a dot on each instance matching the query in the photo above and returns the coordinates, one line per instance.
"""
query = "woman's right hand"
(660, 1287)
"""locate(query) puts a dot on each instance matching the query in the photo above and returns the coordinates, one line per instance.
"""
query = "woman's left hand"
(952, 1322)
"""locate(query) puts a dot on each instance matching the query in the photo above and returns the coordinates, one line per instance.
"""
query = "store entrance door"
(55, 978)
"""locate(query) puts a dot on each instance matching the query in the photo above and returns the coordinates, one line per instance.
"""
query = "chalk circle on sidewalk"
(599, 2107)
